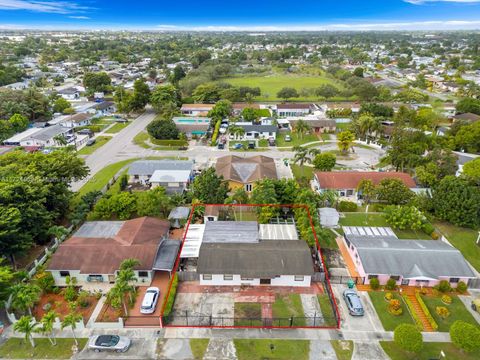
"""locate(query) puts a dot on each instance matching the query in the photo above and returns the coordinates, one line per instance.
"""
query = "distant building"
(196, 109)
(76, 120)
(70, 93)
(294, 109)
(192, 126)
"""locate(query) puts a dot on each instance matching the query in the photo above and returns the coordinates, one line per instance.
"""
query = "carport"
(166, 256)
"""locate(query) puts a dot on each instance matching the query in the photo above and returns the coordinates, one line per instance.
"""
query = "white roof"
(329, 217)
(169, 176)
(277, 232)
(368, 231)
(23, 135)
(193, 241)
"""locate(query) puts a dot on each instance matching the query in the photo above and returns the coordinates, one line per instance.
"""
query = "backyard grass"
(377, 219)
(304, 171)
(264, 349)
(271, 85)
(100, 141)
(389, 321)
(464, 240)
(16, 348)
(431, 350)
(296, 139)
(117, 127)
(343, 349)
(244, 311)
(287, 306)
(327, 310)
(199, 347)
(457, 309)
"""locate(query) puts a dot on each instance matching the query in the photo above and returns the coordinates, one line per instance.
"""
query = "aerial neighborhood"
(171, 195)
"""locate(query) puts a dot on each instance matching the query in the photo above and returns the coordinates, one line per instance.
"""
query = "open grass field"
(431, 350)
(16, 348)
(199, 346)
(264, 349)
(270, 85)
(389, 321)
(464, 240)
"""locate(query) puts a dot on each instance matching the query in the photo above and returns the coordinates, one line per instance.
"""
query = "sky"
(243, 15)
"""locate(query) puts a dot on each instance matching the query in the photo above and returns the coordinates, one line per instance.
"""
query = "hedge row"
(430, 318)
(171, 296)
(169, 142)
(215, 132)
(412, 311)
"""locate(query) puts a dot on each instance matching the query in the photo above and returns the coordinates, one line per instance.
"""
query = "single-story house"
(470, 117)
(253, 132)
(294, 109)
(105, 108)
(462, 159)
(70, 93)
(245, 171)
(48, 136)
(345, 183)
(233, 254)
(191, 126)
(196, 109)
(238, 107)
(76, 120)
(174, 175)
(94, 253)
(317, 123)
(378, 253)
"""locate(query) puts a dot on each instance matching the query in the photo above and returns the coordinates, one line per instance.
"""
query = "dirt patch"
(60, 306)
(176, 234)
(333, 258)
(109, 314)
(248, 310)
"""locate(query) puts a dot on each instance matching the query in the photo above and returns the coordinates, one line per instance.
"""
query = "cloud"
(45, 6)
(421, 2)
(79, 17)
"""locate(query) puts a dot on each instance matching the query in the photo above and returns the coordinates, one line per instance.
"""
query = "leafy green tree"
(393, 191)
(301, 128)
(60, 105)
(221, 110)
(325, 161)
(164, 98)
(404, 217)
(6, 281)
(408, 337)
(71, 321)
(154, 202)
(210, 188)
(286, 191)
(471, 170)
(287, 93)
(264, 193)
(119, 206)
(177, 74)
(25, 296)
(47, 326)
(345, 140)
(163, 130)
(27, 326)
(97, 82)
(468, 105)
(141, 95)
(367, 189)
(12, 243)
(206, 93)
(18, 122)
(358, 72)
(239, 196)
(468, 138)
(250, 114)
(407, 149)
(465, 336)
(326, 91)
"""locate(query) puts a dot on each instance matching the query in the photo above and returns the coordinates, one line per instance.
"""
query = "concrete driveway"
(140, 349)
(368, 322)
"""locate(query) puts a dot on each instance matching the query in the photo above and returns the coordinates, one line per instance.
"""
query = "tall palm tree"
(26, 325)
(47, 326)
(129, 264)
(71, 321)
(237, 131)
(301, 156)
(301, 128)
(25, 296)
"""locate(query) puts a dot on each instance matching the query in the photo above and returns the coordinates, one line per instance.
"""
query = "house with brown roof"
(243, 172)
(345, 183)
(196, 109)
(94, 253)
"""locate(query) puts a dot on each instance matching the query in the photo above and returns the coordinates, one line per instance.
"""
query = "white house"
(293, 109)
(253, 132)
(76, 120)
(196, 109)
(48, 136)
(70, 93)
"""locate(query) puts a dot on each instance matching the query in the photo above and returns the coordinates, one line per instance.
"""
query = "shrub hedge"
(347, 206)
(169, 142)
(171, 296)
(429, 316)
(412, 311)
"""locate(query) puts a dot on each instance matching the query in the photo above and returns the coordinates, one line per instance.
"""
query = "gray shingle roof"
(409, 258)
(265, 259)
(260, 128)
(166, 255)
(231, 232)
(148, 167)
(49, 132)
(180, 212)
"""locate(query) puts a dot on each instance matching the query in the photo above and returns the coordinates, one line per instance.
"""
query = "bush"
(442, 311)
(408, 337)
(83, 297)
(374, 284)
(446, 299)
(171, 297)
(263, 143)
(395, 307)
(45, 281)
(465, 336)
(163, 130)
(69, 293)
(413, 312)
(444, 286)
(429, 316)
(388, 296)
(391, 284)
(347, 206)
(461, 287)
(428, 228)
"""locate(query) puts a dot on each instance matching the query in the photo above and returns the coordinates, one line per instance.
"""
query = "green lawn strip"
(431, 350)
(389, 321)
(248, 314)
(464, 240)
(300, 172)
(327, 241)
(140, 140)
(99, 142)
(457, 309)
(117, 127)
(327, 310)
(342, 126)
(16, 348)
(199, 347)
(264, 349)
(245, 146)
(295, 139)
(343, 349)
(369, 219)
(287, 306)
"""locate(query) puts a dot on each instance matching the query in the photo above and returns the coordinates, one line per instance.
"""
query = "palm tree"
(301, 156)
(26, 325)
(60, 140)
(237, 131)
(47, 326)
(301, 128)
(71, 320)
(313, 152)
(129, 264)
(25, 296)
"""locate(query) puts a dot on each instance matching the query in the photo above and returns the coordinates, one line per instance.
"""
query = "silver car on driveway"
(354, 304)
(109, 343)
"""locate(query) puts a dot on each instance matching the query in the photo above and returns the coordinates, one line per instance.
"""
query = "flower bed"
(60, 306)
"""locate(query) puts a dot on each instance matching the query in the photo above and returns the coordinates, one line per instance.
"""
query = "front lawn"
(296, 139)
(458, 311)
(287, 306)
(378, 219)
(343, 349)
(327, 310)
(389, 321)
(99, 142)
(464, 240)
(199, 347)
(117, 127)
(431, 350)
(16, 348)
(304, 171)
(57, 303)
(264, 349)
(248, 314)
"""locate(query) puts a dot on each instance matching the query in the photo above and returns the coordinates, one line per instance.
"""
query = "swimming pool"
(191, 120)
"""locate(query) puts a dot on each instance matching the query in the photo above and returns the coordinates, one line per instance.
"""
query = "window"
(372, 277)
(95, 278)
(64, 273)
(227, 277)
(396, 278)
(210, 218)
(299, 278)
(136, 177)
(349, 192)
(454, 280)
(248, 187)
(207, 277)
(247, 278)
(143, 274)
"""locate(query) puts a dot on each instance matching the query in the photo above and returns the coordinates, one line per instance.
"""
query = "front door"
(405, 281)
(265, 281)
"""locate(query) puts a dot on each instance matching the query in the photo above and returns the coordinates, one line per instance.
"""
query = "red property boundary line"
(327, 279)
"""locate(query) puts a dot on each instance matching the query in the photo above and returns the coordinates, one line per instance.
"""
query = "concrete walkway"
(96, 311)
(221, 349)
(322, 350)
(467, 301)
(368, 351)
(175, 349)
(311, 308)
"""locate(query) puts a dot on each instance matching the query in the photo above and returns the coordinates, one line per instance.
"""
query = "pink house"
(378, 253)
